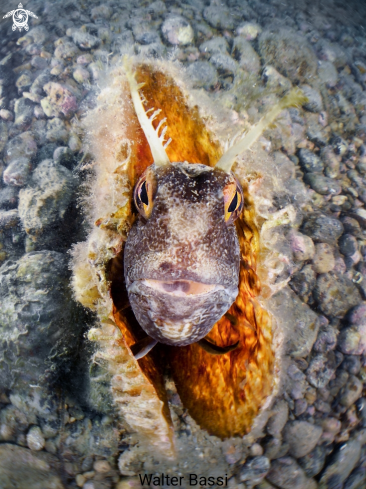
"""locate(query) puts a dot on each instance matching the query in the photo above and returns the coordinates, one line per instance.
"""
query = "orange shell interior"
(222, 393)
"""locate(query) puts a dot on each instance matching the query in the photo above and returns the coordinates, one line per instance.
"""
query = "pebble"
(22, 146)
(350, 392)
(247, 57)
(145, 33)
(6, 115)
(322, 185)
(8, 197)
(102, 466)
(323, 260)
(356, 480)
(45, 200)
(37, 469)
(84, 40)
(323, 228)
(202, 75)
(309, 161)
(321, 369)
(35, 439)
(278, 419)
(287, 474)
(65, 50)
(336, 294)
(101, 12)
(348, 245)
(84, 59)
(327, 340)
(352, 364)
(315, 102)
(248, 30)
(219, 17)
(17, 173)
(352, 339)
(60, 100)
(255, 470)
(81, 75)
(351, 226)
(56, 130)
(341, 465)
(298, 320)
(301, 406)
(302, 246)
(224, 64)
(302, 437)
(177, 31)
(287, 52)
(313, 462)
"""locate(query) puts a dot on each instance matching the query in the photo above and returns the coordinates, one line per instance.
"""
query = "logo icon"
(20, 18)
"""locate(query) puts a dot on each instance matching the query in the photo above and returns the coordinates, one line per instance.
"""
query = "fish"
(170, 264)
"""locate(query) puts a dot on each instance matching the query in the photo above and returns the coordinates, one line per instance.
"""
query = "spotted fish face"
(182, 256)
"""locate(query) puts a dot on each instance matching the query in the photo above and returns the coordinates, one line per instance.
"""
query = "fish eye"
(233, 201)
(144, 194)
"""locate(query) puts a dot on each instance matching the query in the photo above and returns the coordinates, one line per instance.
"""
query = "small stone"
(352, 391)
(35, 439)
(356, 480)
(224, 64)
(309, 161)
(219, 17)
(247, 57)
(323, 228)
(255, 470)
(81, 75)
(21, 146)
(323, 260)
(24, 468)
(313, 462)
(60, 100)
(328, 73)
(331, 162)
(315, 102)
(101, 12)
(301, 437)
(249, 31)
(278, 419)
(340, 146)
(326, 341)
(256, 450)
(84, 40)
(336, 294)
(17, 173)
(351, 226)
(80, 480)
(298, 320)
(66, 50)
(6, 115)
(303, 282)
(24, 82)
(287, 474)
(102, 466)
(320, 371)
(273, 79)
(202, 74)
(8, 197)
(289, 53)
(322, 185)
(352, 364)
(341, 465)
(23, 110)
(300, 407)
(348, 245)
(74, 143)
(46, 198)
(214, 46)
(56, 130)
(84, 59)
(177, 31)
(302, 246)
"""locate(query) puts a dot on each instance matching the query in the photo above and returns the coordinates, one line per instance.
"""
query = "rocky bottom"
(58, 428)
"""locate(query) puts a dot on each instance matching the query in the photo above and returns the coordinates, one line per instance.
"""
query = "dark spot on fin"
(214, 349)
(231, 318)
(142, 347)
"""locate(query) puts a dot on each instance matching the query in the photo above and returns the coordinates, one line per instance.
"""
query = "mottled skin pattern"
(185, 239)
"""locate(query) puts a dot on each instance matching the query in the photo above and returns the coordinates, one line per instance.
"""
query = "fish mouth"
(181, 288)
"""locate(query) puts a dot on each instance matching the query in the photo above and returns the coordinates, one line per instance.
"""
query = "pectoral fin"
(214, 349)
(142, 347)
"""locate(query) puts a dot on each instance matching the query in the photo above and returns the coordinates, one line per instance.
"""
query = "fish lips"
(179, 312)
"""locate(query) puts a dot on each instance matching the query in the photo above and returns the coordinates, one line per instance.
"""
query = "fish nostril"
(166, 267)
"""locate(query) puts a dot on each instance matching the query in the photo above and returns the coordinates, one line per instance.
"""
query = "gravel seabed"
(57, 425)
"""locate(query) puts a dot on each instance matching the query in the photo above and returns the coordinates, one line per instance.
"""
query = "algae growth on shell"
(224, 394)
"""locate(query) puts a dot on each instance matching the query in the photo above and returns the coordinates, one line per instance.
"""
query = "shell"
(223, 394)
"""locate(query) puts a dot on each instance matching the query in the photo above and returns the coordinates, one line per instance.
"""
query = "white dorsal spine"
(293, 98)
(156, 144)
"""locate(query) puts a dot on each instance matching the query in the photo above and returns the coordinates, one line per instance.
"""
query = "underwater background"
(58, 424)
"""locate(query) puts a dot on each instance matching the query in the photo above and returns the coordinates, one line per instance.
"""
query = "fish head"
(182, 256)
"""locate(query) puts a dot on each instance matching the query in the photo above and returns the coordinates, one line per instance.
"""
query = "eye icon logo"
(20, 18)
